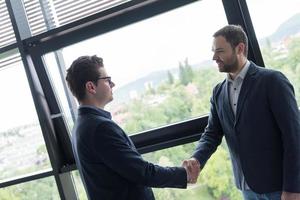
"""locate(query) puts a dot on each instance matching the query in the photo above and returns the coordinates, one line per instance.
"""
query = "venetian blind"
(7, 35)
(44, 15)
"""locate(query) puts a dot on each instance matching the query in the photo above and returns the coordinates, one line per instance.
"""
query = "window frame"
(54, 127)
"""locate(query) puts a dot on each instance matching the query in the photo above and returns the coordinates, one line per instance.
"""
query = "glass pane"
(214, 182)
(79, 186)
(45, 15)
(35, 16)
(56, 74)
(279, 36)
(34, 190)
(22, 148)
(7, 35)
(162, 66)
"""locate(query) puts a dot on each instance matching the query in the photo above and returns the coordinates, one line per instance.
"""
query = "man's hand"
(290, 196)
(192, 167)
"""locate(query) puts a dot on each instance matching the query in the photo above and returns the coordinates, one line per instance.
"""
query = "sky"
(267, 15)
(139, 49)
(163, 41)
(155, 44)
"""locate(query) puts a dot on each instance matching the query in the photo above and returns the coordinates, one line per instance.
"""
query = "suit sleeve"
(285, 111)
(212, 136)
(119, 156)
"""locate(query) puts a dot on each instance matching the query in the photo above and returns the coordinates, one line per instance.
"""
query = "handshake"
(192, 167)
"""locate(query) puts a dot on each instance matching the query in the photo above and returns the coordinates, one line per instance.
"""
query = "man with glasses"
(107, 160)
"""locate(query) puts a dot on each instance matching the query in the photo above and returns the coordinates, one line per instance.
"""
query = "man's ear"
(90, 87)
(240, 48)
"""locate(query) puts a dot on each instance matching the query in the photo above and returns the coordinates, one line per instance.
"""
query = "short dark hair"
(82, 70)
(234, 34)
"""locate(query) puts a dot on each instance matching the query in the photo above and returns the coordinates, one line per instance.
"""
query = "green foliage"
(182, 101)
(286, 60)
(217, 176)
(172, 101)
(170, 78)
(177, 100)
(35, 190)
(214, 182)
(6, 195)
(186, 73)
(294, 53)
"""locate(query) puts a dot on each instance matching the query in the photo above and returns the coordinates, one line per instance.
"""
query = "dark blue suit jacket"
(109, 164)
(265, 134)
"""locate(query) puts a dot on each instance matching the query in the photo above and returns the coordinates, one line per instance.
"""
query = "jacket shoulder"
(219, 87)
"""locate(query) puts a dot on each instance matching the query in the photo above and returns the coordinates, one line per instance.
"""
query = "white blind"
(7, 35)
(35, 16)
(44, 15)
(9, 58)
(70, 10)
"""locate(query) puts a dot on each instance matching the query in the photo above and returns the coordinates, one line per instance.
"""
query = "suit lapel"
(246, 86)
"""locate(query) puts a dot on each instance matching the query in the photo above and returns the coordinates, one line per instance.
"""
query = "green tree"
(183, 75)
(186, 73)
(170, 78)
(189, 70)
(217, 176)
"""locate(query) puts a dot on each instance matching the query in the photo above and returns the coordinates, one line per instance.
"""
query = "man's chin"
(221, 69)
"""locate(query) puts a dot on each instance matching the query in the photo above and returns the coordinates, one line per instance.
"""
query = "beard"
(230, 66)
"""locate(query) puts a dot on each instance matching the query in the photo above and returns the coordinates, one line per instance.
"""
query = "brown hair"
(234, 34)
(82, 70)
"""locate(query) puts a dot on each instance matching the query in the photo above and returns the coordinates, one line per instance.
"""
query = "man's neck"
(241, 65)
(88, 102)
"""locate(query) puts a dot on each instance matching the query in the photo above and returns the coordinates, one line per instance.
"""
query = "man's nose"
(112, 84)
(214, 57)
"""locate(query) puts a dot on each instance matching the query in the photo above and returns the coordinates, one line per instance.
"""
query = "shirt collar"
(100, 111)
(241, 74)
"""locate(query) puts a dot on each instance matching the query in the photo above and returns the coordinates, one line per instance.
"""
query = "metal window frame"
(54, 129)
(237, 13)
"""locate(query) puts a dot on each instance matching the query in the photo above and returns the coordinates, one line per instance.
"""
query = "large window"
(7, 35)
(162, 66)
(278, 35)
(164, 74)
(56, 71)
(79, 186)
(22, 148)
(44, 15)
(215, 181)
(35, 190)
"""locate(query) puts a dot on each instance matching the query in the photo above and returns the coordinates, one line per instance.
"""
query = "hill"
(287, 28)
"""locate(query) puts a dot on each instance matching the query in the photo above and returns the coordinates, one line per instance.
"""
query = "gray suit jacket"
(265, 134)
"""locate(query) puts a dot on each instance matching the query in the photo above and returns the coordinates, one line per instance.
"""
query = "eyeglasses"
(107, 78)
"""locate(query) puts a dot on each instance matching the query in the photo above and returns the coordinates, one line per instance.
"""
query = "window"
(7, 35)
(215, 181)
(22, 148)
(34, 190)
(279, 36)
(35, 16)
(56, 71)
(162, 66)
(45, 15)
(79, 186)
